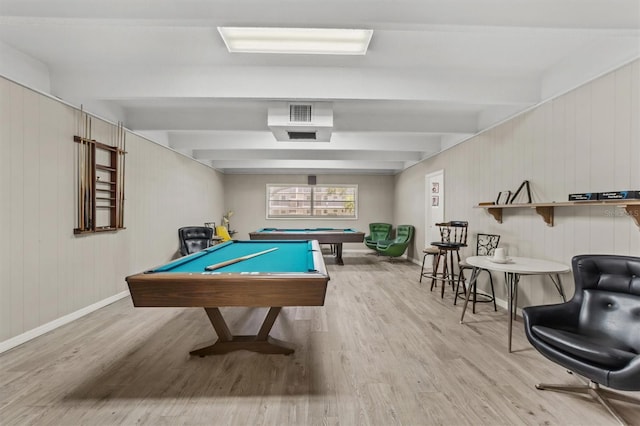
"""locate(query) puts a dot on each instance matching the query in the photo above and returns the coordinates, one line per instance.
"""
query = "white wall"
(587, 140)
(45, 271)
(245, 195)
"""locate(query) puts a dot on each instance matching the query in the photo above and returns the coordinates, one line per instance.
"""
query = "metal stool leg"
(461, 278)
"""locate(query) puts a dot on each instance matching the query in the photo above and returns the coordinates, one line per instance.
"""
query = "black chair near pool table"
(194, 239)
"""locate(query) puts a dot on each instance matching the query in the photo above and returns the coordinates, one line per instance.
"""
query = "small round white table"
(513, 269)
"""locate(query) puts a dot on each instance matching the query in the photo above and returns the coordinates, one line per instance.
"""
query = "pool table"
(283, 273)
(332, 236)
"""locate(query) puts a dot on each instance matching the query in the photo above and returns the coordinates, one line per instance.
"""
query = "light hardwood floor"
(382, 351)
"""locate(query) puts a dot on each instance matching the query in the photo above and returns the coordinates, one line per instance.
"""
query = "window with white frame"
(312, 201)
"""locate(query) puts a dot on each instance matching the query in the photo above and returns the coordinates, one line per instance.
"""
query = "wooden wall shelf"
(632, 207)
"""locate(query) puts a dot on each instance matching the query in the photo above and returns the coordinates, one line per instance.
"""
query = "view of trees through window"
(319, 201)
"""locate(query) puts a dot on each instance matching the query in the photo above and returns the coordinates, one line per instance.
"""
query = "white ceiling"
(437, 71)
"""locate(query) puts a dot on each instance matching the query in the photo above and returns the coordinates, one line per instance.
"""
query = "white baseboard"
(52, 325)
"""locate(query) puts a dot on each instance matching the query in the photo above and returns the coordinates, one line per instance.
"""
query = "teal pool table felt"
(290, 256)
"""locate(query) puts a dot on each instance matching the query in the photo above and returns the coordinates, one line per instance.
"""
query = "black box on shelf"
(585, 196)
(619, 195)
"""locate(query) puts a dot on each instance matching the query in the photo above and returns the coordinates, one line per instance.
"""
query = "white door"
(434, 205)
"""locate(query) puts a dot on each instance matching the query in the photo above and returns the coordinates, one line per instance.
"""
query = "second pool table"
(333, 236)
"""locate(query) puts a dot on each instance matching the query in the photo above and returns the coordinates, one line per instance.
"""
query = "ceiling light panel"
(315, 41)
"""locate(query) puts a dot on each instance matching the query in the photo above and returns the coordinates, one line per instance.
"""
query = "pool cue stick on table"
(237, 259)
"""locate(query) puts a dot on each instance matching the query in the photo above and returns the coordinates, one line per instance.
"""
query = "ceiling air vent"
(300, 121)
(302, 136)
(299, 113)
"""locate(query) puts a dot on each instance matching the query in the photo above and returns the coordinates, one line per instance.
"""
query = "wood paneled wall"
(45, 271)
(587, 140)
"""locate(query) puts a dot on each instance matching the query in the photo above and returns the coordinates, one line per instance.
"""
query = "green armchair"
(377, 232)
(397, 246)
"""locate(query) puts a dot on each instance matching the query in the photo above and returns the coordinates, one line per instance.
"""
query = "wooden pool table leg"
(227, 342)
(339, 254)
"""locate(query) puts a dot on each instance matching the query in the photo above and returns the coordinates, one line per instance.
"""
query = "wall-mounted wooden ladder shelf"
(632, 207)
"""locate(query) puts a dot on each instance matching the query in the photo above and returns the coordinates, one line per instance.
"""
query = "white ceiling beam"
(308, 164)
(294, 83)
(375, 141)
(252, 119)
(295, 154)
(306, 171)
(409, 121)
(193, 118)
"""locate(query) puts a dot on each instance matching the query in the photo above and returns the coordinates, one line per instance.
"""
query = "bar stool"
(429, 251)
(453, 236)
(486, 245)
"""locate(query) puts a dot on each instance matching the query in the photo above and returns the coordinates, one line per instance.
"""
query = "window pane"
(335, 201)
(312, 201)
